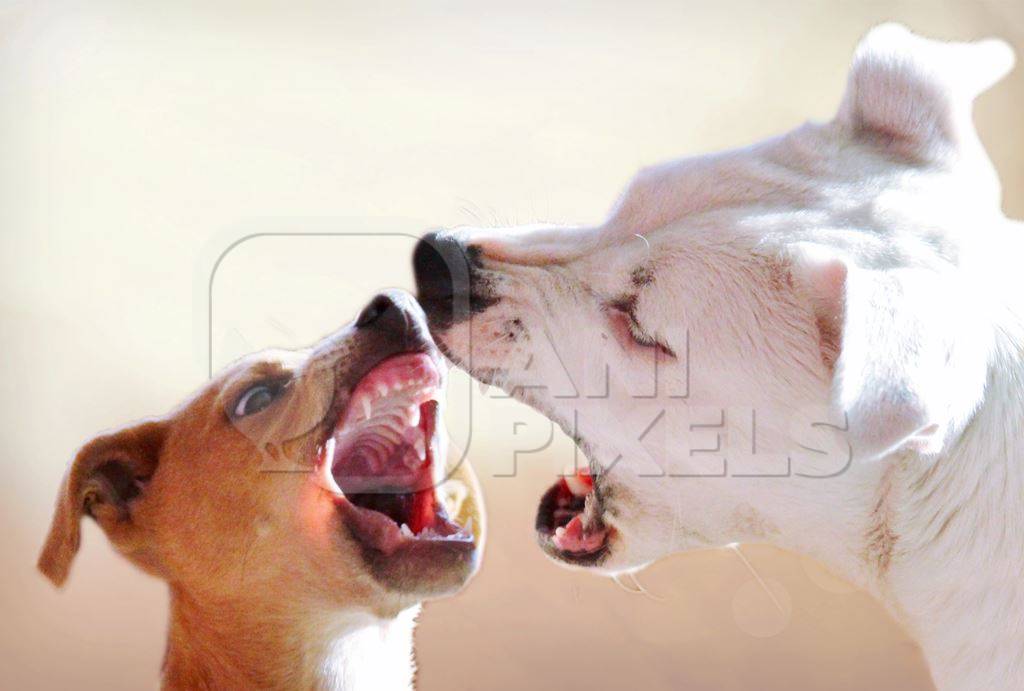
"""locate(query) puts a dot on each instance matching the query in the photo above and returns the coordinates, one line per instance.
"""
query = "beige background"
(137, 140)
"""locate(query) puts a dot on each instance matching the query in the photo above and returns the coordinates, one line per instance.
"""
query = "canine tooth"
(577, 485)
(367, 407)
(414, 415)
(406, 530)
(382, 389)
(421, 449)
(324, 474)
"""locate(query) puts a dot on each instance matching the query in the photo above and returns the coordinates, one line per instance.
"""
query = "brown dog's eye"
(255, 399)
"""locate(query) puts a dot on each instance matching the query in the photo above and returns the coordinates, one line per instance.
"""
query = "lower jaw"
(424, 569)
(378, 532)
(417, 566)
(588, 558)
(431, 564)
(585, 559)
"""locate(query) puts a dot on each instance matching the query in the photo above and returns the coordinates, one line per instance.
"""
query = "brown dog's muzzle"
(384, 447)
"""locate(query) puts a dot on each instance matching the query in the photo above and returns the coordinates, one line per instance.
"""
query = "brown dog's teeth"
(324, 476)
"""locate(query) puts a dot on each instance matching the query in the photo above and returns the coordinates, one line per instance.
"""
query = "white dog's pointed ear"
(915, 94)
(906, 348)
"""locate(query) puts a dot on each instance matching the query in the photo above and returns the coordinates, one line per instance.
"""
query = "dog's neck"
(241, 645)
(956, 579)
(964, 524)
(941, 540)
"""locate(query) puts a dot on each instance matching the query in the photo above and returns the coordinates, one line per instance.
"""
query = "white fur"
(881, 228)
(370, 653)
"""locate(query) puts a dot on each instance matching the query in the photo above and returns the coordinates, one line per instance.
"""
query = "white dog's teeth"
(577, 486)
(406, 530)
(421, 448)
(367, 407)
(414, 415)
(382, 389)
(484, 387)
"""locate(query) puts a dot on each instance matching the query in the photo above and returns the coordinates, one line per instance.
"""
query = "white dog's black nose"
(445, 271)
(438, 262)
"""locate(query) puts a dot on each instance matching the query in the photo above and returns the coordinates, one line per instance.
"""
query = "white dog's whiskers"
(471, 209)
(622, 585)
(735, 547)
(642, 589)
(637, 589)
(499, 339)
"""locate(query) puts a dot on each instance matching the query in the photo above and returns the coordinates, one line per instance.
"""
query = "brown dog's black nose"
(378, 309)
(392, 322)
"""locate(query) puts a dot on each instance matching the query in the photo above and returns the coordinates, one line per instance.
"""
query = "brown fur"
(752, 525)
(880, 537)
(264, 578)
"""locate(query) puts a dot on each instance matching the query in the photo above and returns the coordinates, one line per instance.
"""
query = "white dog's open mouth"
(569, 524)
(379, 460)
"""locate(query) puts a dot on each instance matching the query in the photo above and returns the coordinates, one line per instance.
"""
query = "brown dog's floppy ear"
(103, 480)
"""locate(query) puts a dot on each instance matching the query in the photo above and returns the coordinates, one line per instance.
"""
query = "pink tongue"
(572, 538)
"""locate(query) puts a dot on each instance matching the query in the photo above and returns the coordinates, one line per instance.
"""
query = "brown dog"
(296, 508)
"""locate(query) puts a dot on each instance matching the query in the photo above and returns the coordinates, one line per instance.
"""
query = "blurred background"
(139, 140)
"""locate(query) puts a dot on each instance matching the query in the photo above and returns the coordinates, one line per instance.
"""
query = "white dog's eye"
(628, 331)
(256, 399)
(642, 338)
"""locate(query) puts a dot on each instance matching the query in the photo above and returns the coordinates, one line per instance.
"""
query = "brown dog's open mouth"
(379, 460)
(569, 524)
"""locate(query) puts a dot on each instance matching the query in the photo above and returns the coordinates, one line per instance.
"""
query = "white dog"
(816, 341)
